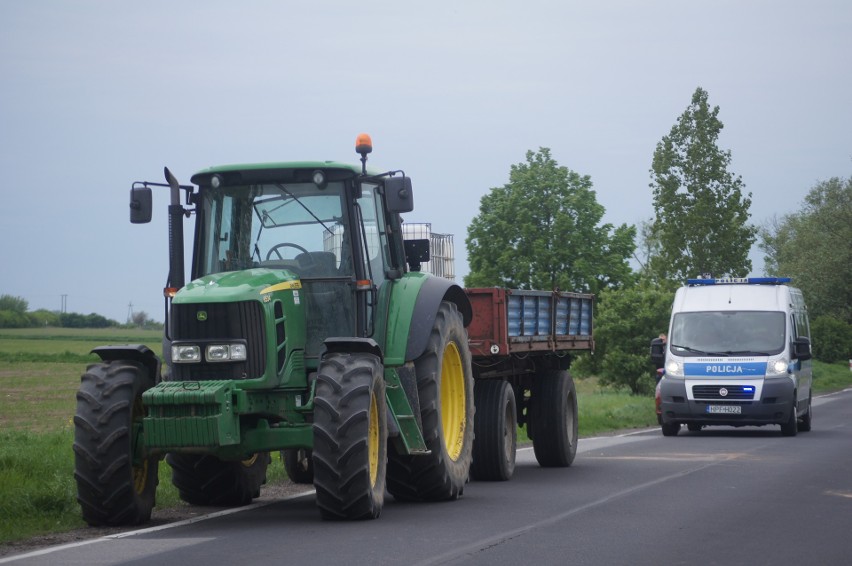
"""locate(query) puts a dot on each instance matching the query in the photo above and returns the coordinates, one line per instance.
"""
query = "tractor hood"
(232, 286)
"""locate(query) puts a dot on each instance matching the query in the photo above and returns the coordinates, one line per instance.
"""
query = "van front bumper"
(774, 406)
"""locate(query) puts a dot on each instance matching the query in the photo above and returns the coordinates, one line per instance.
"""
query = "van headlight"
(674, 369)
(777, 367)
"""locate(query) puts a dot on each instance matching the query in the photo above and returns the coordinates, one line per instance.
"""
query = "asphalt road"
(721, 496)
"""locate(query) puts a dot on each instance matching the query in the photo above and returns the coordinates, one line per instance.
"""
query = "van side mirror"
(802, 348)
(140, 205)
(658, 352)
(398, 194)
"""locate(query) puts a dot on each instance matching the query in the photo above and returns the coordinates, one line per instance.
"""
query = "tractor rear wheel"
(495, 431)
(207, 480)
(445, 388)
(350, 436)
(553, 412)
(113, 488)
(299, 465)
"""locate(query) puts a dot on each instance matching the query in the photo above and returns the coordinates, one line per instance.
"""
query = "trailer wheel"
(553, 411)
(495, 431)
(299, 465)
(207, 480)
(350, 436)
(113, 488)
(445, 389)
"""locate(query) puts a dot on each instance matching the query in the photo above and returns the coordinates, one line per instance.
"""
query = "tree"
(14, 304)
(542, 231)
(831, 338)
(814, 247)
(701, 214)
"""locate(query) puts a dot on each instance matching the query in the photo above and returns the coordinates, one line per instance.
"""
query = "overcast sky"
(96, 95)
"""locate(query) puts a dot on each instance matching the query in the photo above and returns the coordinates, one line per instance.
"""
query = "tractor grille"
(734, 392)
(223, 321)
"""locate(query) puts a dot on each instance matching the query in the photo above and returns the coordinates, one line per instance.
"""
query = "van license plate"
(725, 409)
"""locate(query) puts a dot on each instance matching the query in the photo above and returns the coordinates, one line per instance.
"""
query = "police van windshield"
(732, 333)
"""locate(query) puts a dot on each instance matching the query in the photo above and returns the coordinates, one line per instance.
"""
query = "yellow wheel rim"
(373, 441)
(453, 401)
(140, 477)
(249, 462)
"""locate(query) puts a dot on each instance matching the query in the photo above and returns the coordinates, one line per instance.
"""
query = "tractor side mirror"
(140, 205)
(398, 194)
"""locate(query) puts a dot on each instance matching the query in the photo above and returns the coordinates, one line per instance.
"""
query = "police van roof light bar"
(740, 281)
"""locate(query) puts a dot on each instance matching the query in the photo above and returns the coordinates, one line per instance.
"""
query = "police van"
(738, 353)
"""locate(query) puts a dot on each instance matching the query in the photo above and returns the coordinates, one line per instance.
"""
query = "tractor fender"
(352, 345)
(135, 352)
(433, 291)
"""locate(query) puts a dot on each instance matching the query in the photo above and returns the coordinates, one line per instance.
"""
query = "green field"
(40, 371)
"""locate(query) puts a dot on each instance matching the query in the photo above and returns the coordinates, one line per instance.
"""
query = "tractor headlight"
(186, 354)
(225, 353)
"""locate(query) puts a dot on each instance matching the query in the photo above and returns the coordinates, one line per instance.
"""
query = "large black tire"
(350, 436)
(495, 431)
(112, 489)
(805, 420)
(207, 480)
(445, 389)
(299, 464)
(553, 415)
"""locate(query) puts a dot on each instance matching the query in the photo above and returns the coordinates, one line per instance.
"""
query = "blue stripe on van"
(712, 369)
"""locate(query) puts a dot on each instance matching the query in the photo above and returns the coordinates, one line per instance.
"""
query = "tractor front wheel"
(207, 480)
(299, 465)
(114, 485)
(350, 436)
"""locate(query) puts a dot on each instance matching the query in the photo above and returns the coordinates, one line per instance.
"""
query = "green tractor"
(306, 329)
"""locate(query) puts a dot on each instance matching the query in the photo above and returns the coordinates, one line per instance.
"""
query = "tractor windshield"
(298, 227)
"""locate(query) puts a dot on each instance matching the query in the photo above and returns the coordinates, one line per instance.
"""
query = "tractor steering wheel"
(283, 245)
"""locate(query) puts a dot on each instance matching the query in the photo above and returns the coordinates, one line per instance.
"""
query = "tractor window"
(375, 234)
(297, 227)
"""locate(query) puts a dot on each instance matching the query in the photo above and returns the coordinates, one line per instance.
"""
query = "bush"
(832, 339)
(13, 319)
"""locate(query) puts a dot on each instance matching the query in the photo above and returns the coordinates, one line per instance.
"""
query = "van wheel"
(791, 427)
(805, 422)
(670, 429)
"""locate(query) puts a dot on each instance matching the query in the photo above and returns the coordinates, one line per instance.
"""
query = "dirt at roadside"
(158, 517)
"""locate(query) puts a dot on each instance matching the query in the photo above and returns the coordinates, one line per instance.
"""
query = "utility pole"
(129, 312)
